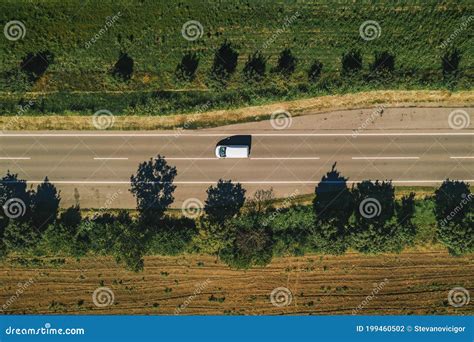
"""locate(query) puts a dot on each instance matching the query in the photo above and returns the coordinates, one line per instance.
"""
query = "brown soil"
(415, 282)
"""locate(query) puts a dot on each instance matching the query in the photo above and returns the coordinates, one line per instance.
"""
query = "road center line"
(461, 157)
(384, 158)
(109, 158)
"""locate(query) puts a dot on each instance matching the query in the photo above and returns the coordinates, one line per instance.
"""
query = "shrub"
(450, 62)
(186, 69)
(383, 62)
(36, 64)
(225, 61)
(286, 64)
(254, 69)
(315, 71)
(351, 62)
(123, 68)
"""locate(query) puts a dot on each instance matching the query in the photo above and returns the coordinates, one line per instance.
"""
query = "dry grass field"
(414, 282)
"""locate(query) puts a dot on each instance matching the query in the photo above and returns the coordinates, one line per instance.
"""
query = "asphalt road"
(94, 168)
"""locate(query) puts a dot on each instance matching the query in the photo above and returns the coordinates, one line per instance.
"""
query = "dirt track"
(410, 283)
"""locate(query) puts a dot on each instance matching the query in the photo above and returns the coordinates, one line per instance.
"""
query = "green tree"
(153, 189)
(123, 68)
(449, 198)
(384, 62)
(450, 62)
(333, 206)
(224, 201)
(254, 69)
(15, 201)
(225, 62)
(315, 70)
(454, 211)
(45, 205)
(376, 228)
(71, 218)
(186, 69)
(286, 63)
(351, 62)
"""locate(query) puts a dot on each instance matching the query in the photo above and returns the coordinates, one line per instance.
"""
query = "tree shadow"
(237, 140)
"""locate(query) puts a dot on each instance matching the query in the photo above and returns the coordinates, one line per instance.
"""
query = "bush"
(36, 64)
(71, 218)
(351, 62)
(250, 244)
(315, 71)
(383, 62)
(225, 61)
(123, 68)
(286, 64)
(450, 62)
(186, 69)
(254, 69)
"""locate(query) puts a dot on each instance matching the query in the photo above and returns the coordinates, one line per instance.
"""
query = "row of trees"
(242, 231)
(226, 58)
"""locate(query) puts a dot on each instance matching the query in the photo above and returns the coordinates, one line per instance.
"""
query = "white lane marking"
(383, 158)
(9, 135)
(15, 158)
(242, 182)
(461, 157)
(109, 158)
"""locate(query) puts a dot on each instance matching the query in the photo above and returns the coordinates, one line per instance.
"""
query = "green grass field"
(150, 33)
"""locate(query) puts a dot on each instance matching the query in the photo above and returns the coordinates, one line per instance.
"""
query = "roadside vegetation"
(250, 54)
(241, 230)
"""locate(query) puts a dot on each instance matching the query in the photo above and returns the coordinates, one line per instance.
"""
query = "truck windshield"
(222, 151)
